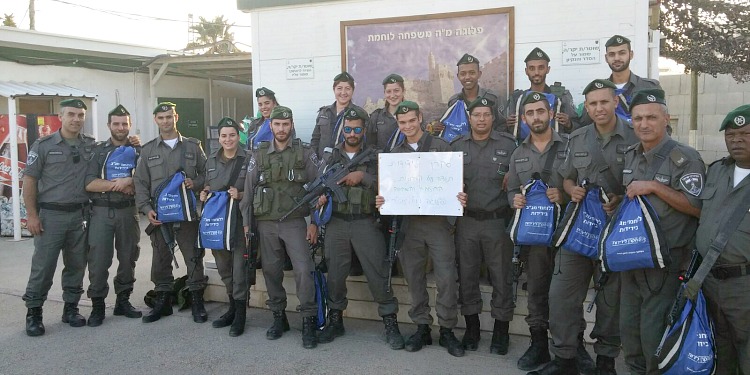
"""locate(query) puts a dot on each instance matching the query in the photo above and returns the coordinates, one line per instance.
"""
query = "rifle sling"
(551, 155)
(661, 156)
(600, 165)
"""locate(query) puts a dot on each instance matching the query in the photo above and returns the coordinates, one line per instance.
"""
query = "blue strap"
(323, 215)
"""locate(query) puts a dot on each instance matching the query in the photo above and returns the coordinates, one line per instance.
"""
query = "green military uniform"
(59, 166)
(498, 123)
(322, 139)
(157, 163)
(382, 130)
(726, 287)
(570, 285)
(564, 105)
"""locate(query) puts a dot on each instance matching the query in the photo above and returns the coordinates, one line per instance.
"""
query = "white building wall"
(292, 32)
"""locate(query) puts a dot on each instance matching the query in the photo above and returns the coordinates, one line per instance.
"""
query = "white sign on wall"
(300, 69)
(581, 52)
(421, 183)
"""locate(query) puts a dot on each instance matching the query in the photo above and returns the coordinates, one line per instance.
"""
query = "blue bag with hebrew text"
(535, 224)
(219, 221)
(690, 347)
(583, 222)
(119, 163)
(456, 121)
(175, 202)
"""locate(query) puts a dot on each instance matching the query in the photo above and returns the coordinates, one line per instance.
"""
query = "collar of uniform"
(649, 155)
(160, 139)
(272, 146)
(240, 152)
(421, 141)
(619, 128)
(631, 80)
(480, 93)
(546, 90)
(494, 135)
(555, 138)
(57, 136)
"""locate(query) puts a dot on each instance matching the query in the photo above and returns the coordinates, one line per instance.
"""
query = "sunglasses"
(76, 154)
(349, 129)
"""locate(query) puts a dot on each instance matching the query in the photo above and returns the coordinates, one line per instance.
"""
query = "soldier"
(647, 294)
(160, 159)
(480, 233)
(353, 227)
(542, 147)
(260, 128)
(427, 236)
(597, 154)
(382, 129)
(225, 170)
(725, 286)
(57, 214)
(565, 116)
(276, 172)
(468, 75)
(114, 218)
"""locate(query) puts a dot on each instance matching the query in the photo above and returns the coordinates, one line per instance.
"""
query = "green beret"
(119, 111)
(264, 92)
(406, 106)
(467, 59)
(616, 40)
(536, 54)
(533, 97)
(737, 118)
(281, 112)
(75, 103)
(648, 96)
(480, 102)
(343, 77)
(228, 122)
(356, 113)
(164, 106)
(598, 84)
(393, 78)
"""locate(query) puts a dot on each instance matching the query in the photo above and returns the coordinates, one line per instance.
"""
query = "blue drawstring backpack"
(119, 163)
(582, 224)
(456, 121)
(622, 108)
(690, 346)
(535, 224)
(175, 202)
(633, 239)
(219, 221)
(262, 134)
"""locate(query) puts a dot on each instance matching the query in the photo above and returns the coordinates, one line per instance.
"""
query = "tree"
(9, 21)
(213, 36)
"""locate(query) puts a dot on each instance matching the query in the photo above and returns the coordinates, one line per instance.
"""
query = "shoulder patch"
(678, 157)
(31, 158)
(315, 160)
(692, 183)
(251, 164)
(46, 137)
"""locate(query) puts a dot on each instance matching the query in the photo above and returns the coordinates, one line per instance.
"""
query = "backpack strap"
(660, 157)
(551, 155)
(426, 145)
(238, 164)
(597, 157)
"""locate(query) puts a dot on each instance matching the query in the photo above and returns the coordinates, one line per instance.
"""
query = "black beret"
(616, 40)
(647, 96)
(537, 54)
(467, 59)
(480, 102)
(406, 106)
(533, 97)
(75, 103)
(356, 113)
(119, 111)
(599, 84)
(343, 76)
(392, 78)
(737, 118)
(164, 106)
(264, 92)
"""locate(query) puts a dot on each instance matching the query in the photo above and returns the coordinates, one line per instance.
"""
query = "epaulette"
(651, 80)
(632, 147)
(89, 136)
(578, 132)
(194, 140)
(323, 108)
(148, 143)
(678, 157)
(46, 137)
(725, 160)
(262, 145)
(304, 144)
(459, 138)
(508, 135)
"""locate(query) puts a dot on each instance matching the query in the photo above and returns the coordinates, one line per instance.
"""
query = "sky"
(151, 23)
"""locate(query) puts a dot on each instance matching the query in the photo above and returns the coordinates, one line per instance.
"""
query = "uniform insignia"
(619, 40)
(251, 164)
(211, 170)
(154, 157)
(314, 159)
(164, 108)
(521, 160)
(581, 154)
(55, 153)
(466, 153)
(392, 80)
(739, 120)
(692, 183)
(501, 153)
(494, 158)
(352, 113)
(598, 85)
(651, 98)
(539, 53)
(470, 59)
(678, 158)
(261, 92)
(627, 171)
(404, 109)
(31, 158)
(537, 96)
(664, 179)
(189, 155)
(622, 148)
(484, 101)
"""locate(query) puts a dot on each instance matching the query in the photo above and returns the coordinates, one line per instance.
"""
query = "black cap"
(164, 106)
(74, 103)
(467, 59)
(119, 111)
(264, 92)
(406, 106)
(343, 76)
(647, 96)
(599, 84)
(392, 78)
(533, 97)
(480, 102)
(228, 122)
(616, 40)
(356, 113)
(281, 112)
(536, 54)
(737, 118)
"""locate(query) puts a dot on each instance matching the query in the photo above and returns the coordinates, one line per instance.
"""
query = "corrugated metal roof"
(13, 89)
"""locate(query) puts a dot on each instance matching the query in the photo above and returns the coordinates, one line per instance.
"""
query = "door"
(191, 119)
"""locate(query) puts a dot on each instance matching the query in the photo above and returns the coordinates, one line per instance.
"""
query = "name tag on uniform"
(627, 171)
(154, 157)
(581, 154)
(521, 160)
(211, 170)
(501, 153)
(189, 155)
(55, 153)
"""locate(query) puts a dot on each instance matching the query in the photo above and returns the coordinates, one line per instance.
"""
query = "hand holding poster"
(424, 183)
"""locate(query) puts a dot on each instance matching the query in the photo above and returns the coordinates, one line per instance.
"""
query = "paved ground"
(176, 345)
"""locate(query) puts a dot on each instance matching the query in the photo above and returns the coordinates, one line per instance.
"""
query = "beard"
(539, 127)
(623, 68)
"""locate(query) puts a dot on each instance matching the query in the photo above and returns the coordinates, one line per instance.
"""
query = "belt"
(351, 217)
(115, 204)
(65, 207)
(486, 215)
(730, 272)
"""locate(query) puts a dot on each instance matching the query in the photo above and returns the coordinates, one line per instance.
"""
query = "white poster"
(421, 183)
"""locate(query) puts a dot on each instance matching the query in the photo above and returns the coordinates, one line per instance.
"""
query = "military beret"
(281, 112)
(737, 118)
(406, 106)
(164, 106)
(647, 96)
(119, 111)
(356, 113)
(228, 122)
(393, 78)
(599, 84)
(343, 77)
(537, 54)
(75, 103)
(480, 102)
(264, 92)
(616, 40)
(533, 97)
(467, 59)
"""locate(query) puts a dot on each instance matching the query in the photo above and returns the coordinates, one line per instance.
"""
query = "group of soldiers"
(615, 143)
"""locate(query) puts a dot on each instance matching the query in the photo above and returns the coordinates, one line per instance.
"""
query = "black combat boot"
(335, 327)
(72, 316)
(97, 312)
(500, 338)
(392, 333)
(124, 307)
(199, 311)
(309, 338)
(471, 337)
(449, 341)
(583, 358)
(280, 325)
(238, 323)
(228, 317)
(558, 366)
(605, 365)
(162, 307)
(538, 353)
(34, 325)
(419, 339)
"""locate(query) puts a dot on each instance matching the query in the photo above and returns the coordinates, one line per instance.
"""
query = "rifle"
(394, 246)
(328, 181)
(321, 266)
(679, 302)
(250, 257)
(518, 266)
(598, 286)
(169, 238)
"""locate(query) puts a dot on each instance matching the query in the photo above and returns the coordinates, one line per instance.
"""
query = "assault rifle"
(517, 270)
(169, 238)
(328, 181)
(679, 302)
(598, 286)
(394, 246)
